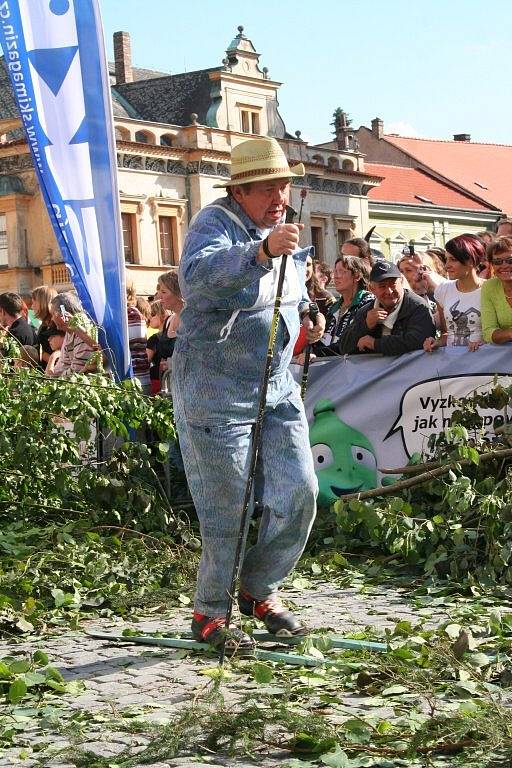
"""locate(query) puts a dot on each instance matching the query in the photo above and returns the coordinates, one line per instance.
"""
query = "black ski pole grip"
(313, 312)
(290, 214)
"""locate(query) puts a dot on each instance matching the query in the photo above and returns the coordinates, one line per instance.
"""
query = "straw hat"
(259, 160)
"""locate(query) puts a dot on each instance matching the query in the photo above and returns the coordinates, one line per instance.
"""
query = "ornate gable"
(242, 58)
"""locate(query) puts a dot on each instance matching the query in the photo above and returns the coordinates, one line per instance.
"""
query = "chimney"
(378, 127)
(462, 137)
(123, 57)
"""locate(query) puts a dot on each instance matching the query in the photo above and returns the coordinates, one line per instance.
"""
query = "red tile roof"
(466, 163)
(403, 185)
(410, 185)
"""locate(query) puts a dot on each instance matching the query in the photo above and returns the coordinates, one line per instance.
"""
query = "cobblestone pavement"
(123, 678)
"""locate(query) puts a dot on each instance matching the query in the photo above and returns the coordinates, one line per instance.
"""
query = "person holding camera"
(228, 277)
(79, 350)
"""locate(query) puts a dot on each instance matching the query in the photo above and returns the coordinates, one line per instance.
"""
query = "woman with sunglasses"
(497, 293)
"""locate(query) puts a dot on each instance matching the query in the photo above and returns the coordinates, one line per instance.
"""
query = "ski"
(335, 641)
(186, 642)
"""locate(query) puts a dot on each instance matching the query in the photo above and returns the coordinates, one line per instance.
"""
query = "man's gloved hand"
(284, 239)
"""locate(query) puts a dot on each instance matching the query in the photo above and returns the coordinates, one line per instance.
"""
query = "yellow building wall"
(392, 233)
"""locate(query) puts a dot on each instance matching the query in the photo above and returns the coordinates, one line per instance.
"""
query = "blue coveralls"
(218, 364)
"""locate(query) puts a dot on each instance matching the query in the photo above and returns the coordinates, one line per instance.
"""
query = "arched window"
(123, 134)
(318, 159)
(333, 163)
(348, 165)
(144, 137)
(166, 140)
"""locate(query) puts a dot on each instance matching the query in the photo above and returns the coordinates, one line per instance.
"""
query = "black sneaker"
(212, 630)
(278, 620)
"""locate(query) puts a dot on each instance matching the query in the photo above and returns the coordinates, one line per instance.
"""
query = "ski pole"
(256, 437)
(313, 315)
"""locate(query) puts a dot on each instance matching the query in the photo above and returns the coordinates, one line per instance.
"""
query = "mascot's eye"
(322, 456)
(364, 458)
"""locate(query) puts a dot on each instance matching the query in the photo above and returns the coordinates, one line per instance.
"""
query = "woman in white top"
(458, 299)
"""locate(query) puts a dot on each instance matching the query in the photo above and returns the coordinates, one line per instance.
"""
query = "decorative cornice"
(191, 161)
(150, 149)
(238, 78)
(332, 186)
(15, 163)
(404, 210)
(174, 167)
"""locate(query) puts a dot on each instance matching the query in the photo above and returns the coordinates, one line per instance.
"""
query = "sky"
(429, 68)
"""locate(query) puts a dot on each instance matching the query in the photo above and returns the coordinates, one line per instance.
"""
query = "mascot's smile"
(345, 491)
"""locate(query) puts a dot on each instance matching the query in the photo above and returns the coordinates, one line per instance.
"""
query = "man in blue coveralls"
(228, 278)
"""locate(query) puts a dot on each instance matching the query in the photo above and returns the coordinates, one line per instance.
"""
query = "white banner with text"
(369, 412)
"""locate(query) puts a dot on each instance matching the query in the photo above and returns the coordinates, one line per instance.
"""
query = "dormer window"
(250, 120)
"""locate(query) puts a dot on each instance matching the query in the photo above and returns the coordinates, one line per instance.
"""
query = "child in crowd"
(55, 341)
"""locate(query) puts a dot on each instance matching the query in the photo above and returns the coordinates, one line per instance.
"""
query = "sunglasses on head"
(499, 262)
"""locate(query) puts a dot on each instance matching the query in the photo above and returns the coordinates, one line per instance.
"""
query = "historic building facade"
(174, 136)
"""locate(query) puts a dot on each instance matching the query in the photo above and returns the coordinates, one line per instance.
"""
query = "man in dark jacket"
(398, 321)
(11, 317)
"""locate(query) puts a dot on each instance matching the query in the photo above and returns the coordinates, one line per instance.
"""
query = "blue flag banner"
(55, 54)
(370, 412)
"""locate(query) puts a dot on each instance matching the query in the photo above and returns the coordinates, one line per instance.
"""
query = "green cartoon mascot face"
(345, 460)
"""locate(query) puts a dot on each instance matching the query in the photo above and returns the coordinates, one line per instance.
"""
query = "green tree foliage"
(83, 525)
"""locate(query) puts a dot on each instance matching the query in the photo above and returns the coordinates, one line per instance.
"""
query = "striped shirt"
(74, 355)
(138, 342)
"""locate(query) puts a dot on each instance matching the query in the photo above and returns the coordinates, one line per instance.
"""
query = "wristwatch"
(266, 251)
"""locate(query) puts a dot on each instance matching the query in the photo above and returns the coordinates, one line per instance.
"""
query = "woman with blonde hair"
(42, 297)
(156, 323)
(434, 259)
(157, 317)
(168, 292)
(431, 271)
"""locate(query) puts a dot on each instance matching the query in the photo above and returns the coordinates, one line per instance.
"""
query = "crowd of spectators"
(457, 296)
(51, 332)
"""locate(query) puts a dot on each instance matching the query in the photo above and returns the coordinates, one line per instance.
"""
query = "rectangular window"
(317, 241)
(127, 224)
(166, 240)
(343, 236)
(4, 256)
(255, 118)
(250, 121)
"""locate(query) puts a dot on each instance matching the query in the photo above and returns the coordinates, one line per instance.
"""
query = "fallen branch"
(424, 477)
(443, 748)
(412, 469)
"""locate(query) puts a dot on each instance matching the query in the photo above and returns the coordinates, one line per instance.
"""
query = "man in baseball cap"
(228, 277)
(398, 321)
